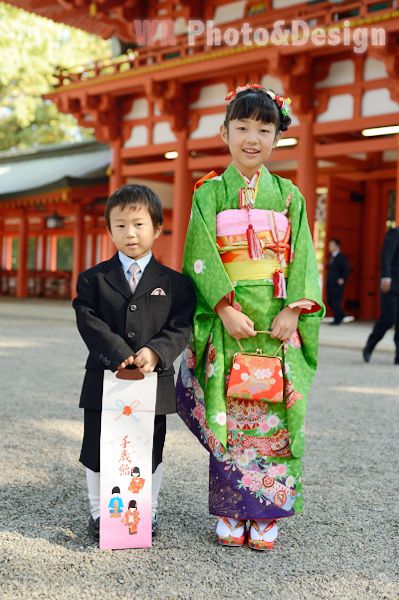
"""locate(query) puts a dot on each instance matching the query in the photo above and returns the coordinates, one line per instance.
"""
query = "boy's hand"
(285, 323)
(146, 360)
(128, 361)
(236, 323)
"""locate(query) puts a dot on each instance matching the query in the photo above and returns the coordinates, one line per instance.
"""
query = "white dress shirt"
(127, 262)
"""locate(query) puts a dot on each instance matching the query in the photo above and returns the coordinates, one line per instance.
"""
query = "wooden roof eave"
(56, 191)
(225, 60)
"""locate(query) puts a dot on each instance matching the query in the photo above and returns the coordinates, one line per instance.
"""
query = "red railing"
(315, 13)
(40, 284)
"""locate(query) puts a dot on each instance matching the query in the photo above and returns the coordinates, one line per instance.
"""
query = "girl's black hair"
(135, 195)
(135, 470)
(115, 490)
(132, 504)
(256, 104)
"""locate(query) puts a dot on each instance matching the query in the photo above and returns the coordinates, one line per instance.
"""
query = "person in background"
(389, 288)
(337, 276)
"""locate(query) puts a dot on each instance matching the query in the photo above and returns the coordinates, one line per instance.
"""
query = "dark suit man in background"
(337, 275)
(389, 287)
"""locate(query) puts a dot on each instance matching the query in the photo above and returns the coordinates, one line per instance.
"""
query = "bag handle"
(262, 331)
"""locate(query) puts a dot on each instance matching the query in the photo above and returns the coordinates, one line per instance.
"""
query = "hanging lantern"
(55, 221)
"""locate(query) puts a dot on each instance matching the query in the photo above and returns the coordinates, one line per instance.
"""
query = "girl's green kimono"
(256, 447)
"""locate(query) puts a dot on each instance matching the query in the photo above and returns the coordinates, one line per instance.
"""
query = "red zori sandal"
(230, 540)
(266, 535)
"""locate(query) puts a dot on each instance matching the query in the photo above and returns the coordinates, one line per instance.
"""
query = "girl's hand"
(285, 323)
(235, 322)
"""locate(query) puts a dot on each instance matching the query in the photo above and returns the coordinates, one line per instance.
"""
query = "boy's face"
(250, 143)
(132, 230)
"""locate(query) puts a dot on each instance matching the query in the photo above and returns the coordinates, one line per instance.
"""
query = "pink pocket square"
(158, 292)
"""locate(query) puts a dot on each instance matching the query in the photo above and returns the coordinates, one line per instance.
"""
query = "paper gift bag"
(127, 427)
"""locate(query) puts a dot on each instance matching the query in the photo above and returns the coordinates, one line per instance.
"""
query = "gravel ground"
(344, 546)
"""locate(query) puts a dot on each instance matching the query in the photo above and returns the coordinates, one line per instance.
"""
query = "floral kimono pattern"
(255, 447)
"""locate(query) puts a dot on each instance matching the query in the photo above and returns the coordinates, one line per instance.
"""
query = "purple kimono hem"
(227, 500)
(242, 483)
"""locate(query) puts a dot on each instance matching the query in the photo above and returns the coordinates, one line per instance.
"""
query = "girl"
(250, 256)
(137, 482)
(132, 517)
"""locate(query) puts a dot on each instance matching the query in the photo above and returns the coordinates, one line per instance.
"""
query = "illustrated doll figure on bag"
(250, 256)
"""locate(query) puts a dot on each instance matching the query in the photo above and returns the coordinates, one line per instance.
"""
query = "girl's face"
(250, 143)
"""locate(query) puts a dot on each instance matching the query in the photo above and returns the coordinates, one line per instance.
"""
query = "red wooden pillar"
(307, 168)
(42, 265)
(115, 181)
(44, 253)
(1, 243)
(182, 191)
(22, 287)
(78, 235)
(397, 186)
(8, 257)
(369, 266)
(53, 253)
(93, 247)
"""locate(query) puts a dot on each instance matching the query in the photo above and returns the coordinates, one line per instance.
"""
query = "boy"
(130, 311)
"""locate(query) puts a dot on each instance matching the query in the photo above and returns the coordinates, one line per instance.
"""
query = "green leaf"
(30, 49)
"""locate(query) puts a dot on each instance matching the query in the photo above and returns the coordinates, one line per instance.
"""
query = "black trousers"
(389, 316)
(334, 300)
(90, 453)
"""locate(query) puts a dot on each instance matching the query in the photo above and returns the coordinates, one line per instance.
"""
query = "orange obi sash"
(233, 250)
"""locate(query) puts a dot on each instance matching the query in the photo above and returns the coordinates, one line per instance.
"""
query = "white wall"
(378, 102)
(339, 107)
(341, 72)
(138, 137)
(164, 190)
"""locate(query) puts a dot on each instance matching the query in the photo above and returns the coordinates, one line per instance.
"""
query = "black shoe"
(94, 528)
(335, 323)
(396, 361)
(366, 355)
(154, 524)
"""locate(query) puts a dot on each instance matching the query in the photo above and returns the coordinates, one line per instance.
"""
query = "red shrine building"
(156, 111)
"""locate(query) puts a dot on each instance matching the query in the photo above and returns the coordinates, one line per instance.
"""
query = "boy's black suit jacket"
(114, 323)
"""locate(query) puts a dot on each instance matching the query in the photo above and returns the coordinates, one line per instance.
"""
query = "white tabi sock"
(156, 486)
(269, 536)
(222, 530)
(93, 486)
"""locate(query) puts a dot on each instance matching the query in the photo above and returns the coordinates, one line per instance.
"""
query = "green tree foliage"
(31, 49)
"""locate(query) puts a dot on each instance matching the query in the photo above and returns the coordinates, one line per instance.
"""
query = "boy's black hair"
(132, 504)
(116, 490)
(135, 195)
(256, 104)
(336, 242)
